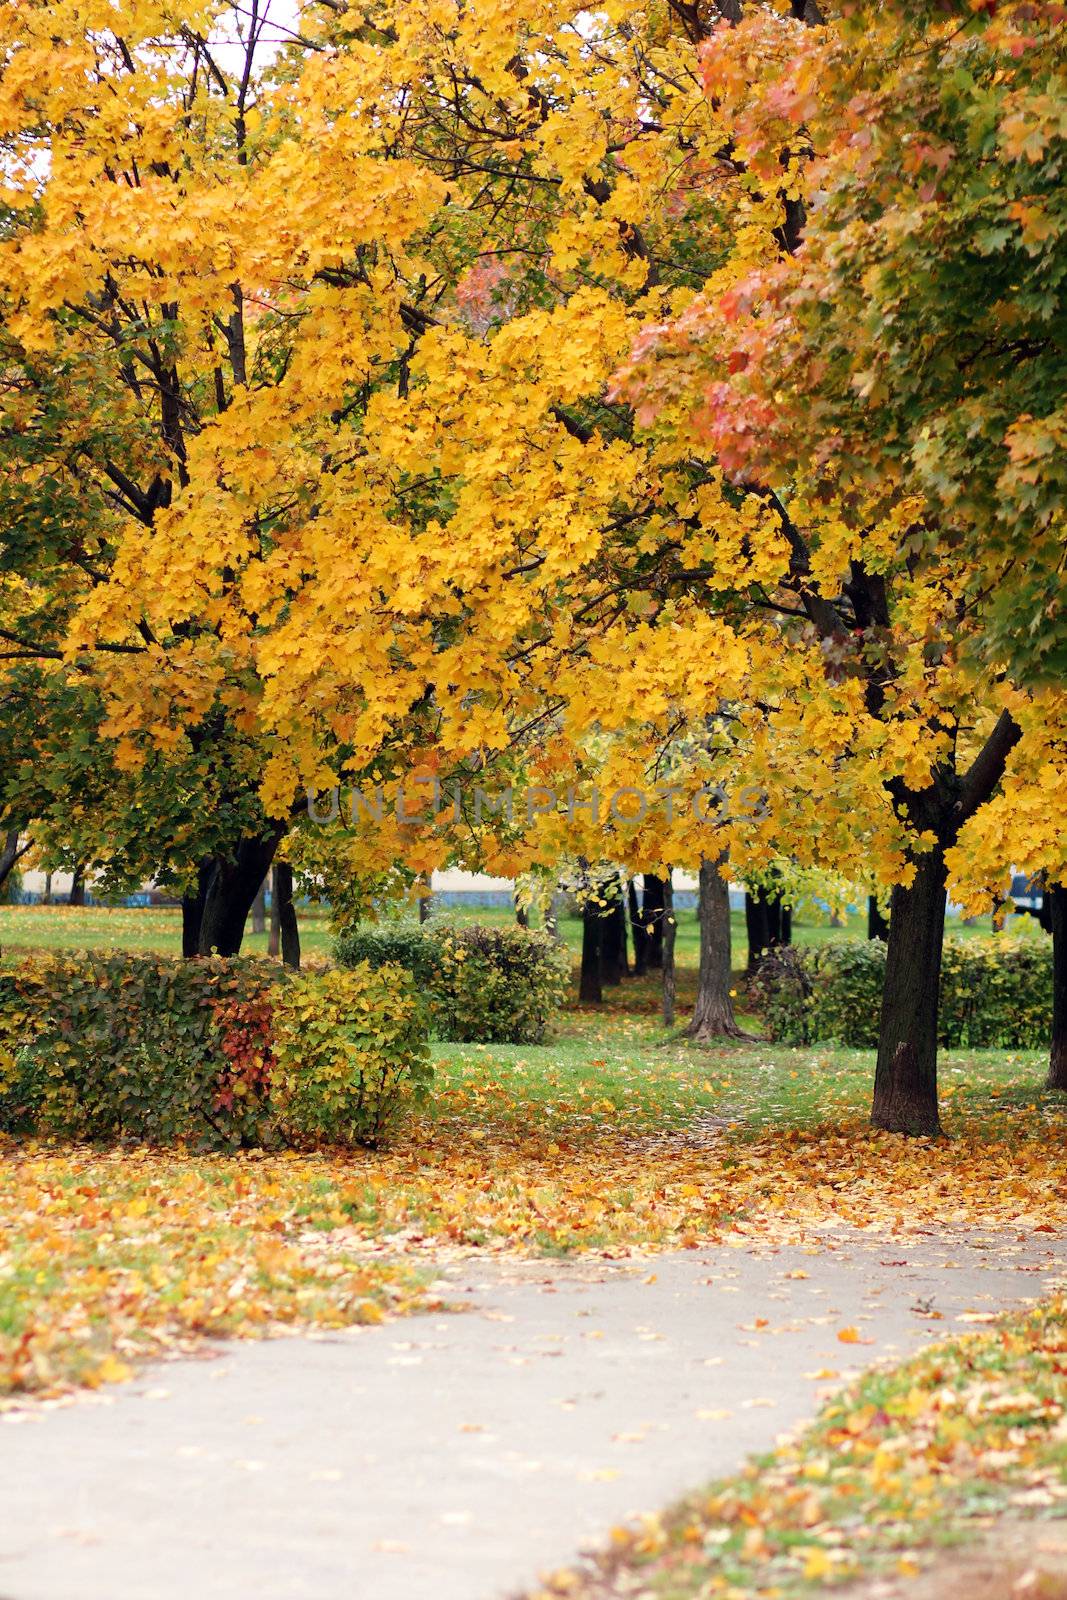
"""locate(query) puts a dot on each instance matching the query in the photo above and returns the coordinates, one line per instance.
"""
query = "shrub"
(104, 1043)
(350, 1048)
(781, 989)
(995, 993)
(484, 985)
(202, 1052)
(404, 944)
(497, 985)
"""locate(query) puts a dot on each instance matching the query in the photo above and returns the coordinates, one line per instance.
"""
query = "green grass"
(624, 1057)
(26, 928)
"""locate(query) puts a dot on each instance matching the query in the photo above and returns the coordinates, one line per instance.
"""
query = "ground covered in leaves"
(907, 1463)
(608, 1138)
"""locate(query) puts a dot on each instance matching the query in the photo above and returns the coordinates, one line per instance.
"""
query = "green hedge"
(407, 944)
(996, 993)
(212, 1053)
(483, 985)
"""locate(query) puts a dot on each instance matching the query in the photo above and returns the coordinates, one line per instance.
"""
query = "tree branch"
(987, 769)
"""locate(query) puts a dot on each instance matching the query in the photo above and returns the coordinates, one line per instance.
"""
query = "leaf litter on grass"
(593, 1145)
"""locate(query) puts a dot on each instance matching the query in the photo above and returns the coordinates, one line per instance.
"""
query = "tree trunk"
(756, 928)
(552, 915)
(10, 855)
(231, 889)
(713, 1014)
(425, 897)
(522, 916)
(905, 1080)
(613, 937)
(46, 898)
(589, 990)
(877, 926)
(287, 923)
(652, 902)
(621, 919)
(193, 910)
(259, 909)
(274, 936)
(1044, 915)
(77, 885)
(637, 930)
(1057, 1066)
(774, 920)
(670, 929)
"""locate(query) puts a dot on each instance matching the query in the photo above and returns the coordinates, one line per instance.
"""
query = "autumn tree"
(131, 329)
(893, 593)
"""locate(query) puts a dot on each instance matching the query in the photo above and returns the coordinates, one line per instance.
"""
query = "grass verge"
(907, 1463)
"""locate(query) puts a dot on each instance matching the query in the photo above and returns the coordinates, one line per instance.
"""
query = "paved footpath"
(454, 1457)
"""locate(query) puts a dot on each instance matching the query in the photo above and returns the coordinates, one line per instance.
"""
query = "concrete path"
(456, 1457)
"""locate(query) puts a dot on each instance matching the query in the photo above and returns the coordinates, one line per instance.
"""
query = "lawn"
(26, 928)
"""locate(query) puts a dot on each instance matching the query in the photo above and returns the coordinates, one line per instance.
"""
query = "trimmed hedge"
(996, 993)
(213, 1053)
(484, 985)
(408, 944)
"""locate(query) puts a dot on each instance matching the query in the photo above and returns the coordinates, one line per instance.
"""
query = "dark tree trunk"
(522, 916)
(46, 898)
(777, 919)
(877, 925)
(274, 936)
(287, 923)
(768, 923)
(77, 885)
(905, 1080)
(232, 887)
(193, 910)
(589, 989)
(10, 855)
(259, 909)
(756, 928)
(425, 897)
(670, 929)
(1044, 914)
(713, 1014)
(637, 930)
(621, 919)
(652, 900)
(1057, 1066)
(613, 966)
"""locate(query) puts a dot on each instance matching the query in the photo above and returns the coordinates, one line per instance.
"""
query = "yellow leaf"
(817, 1563)
(112, 1370)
